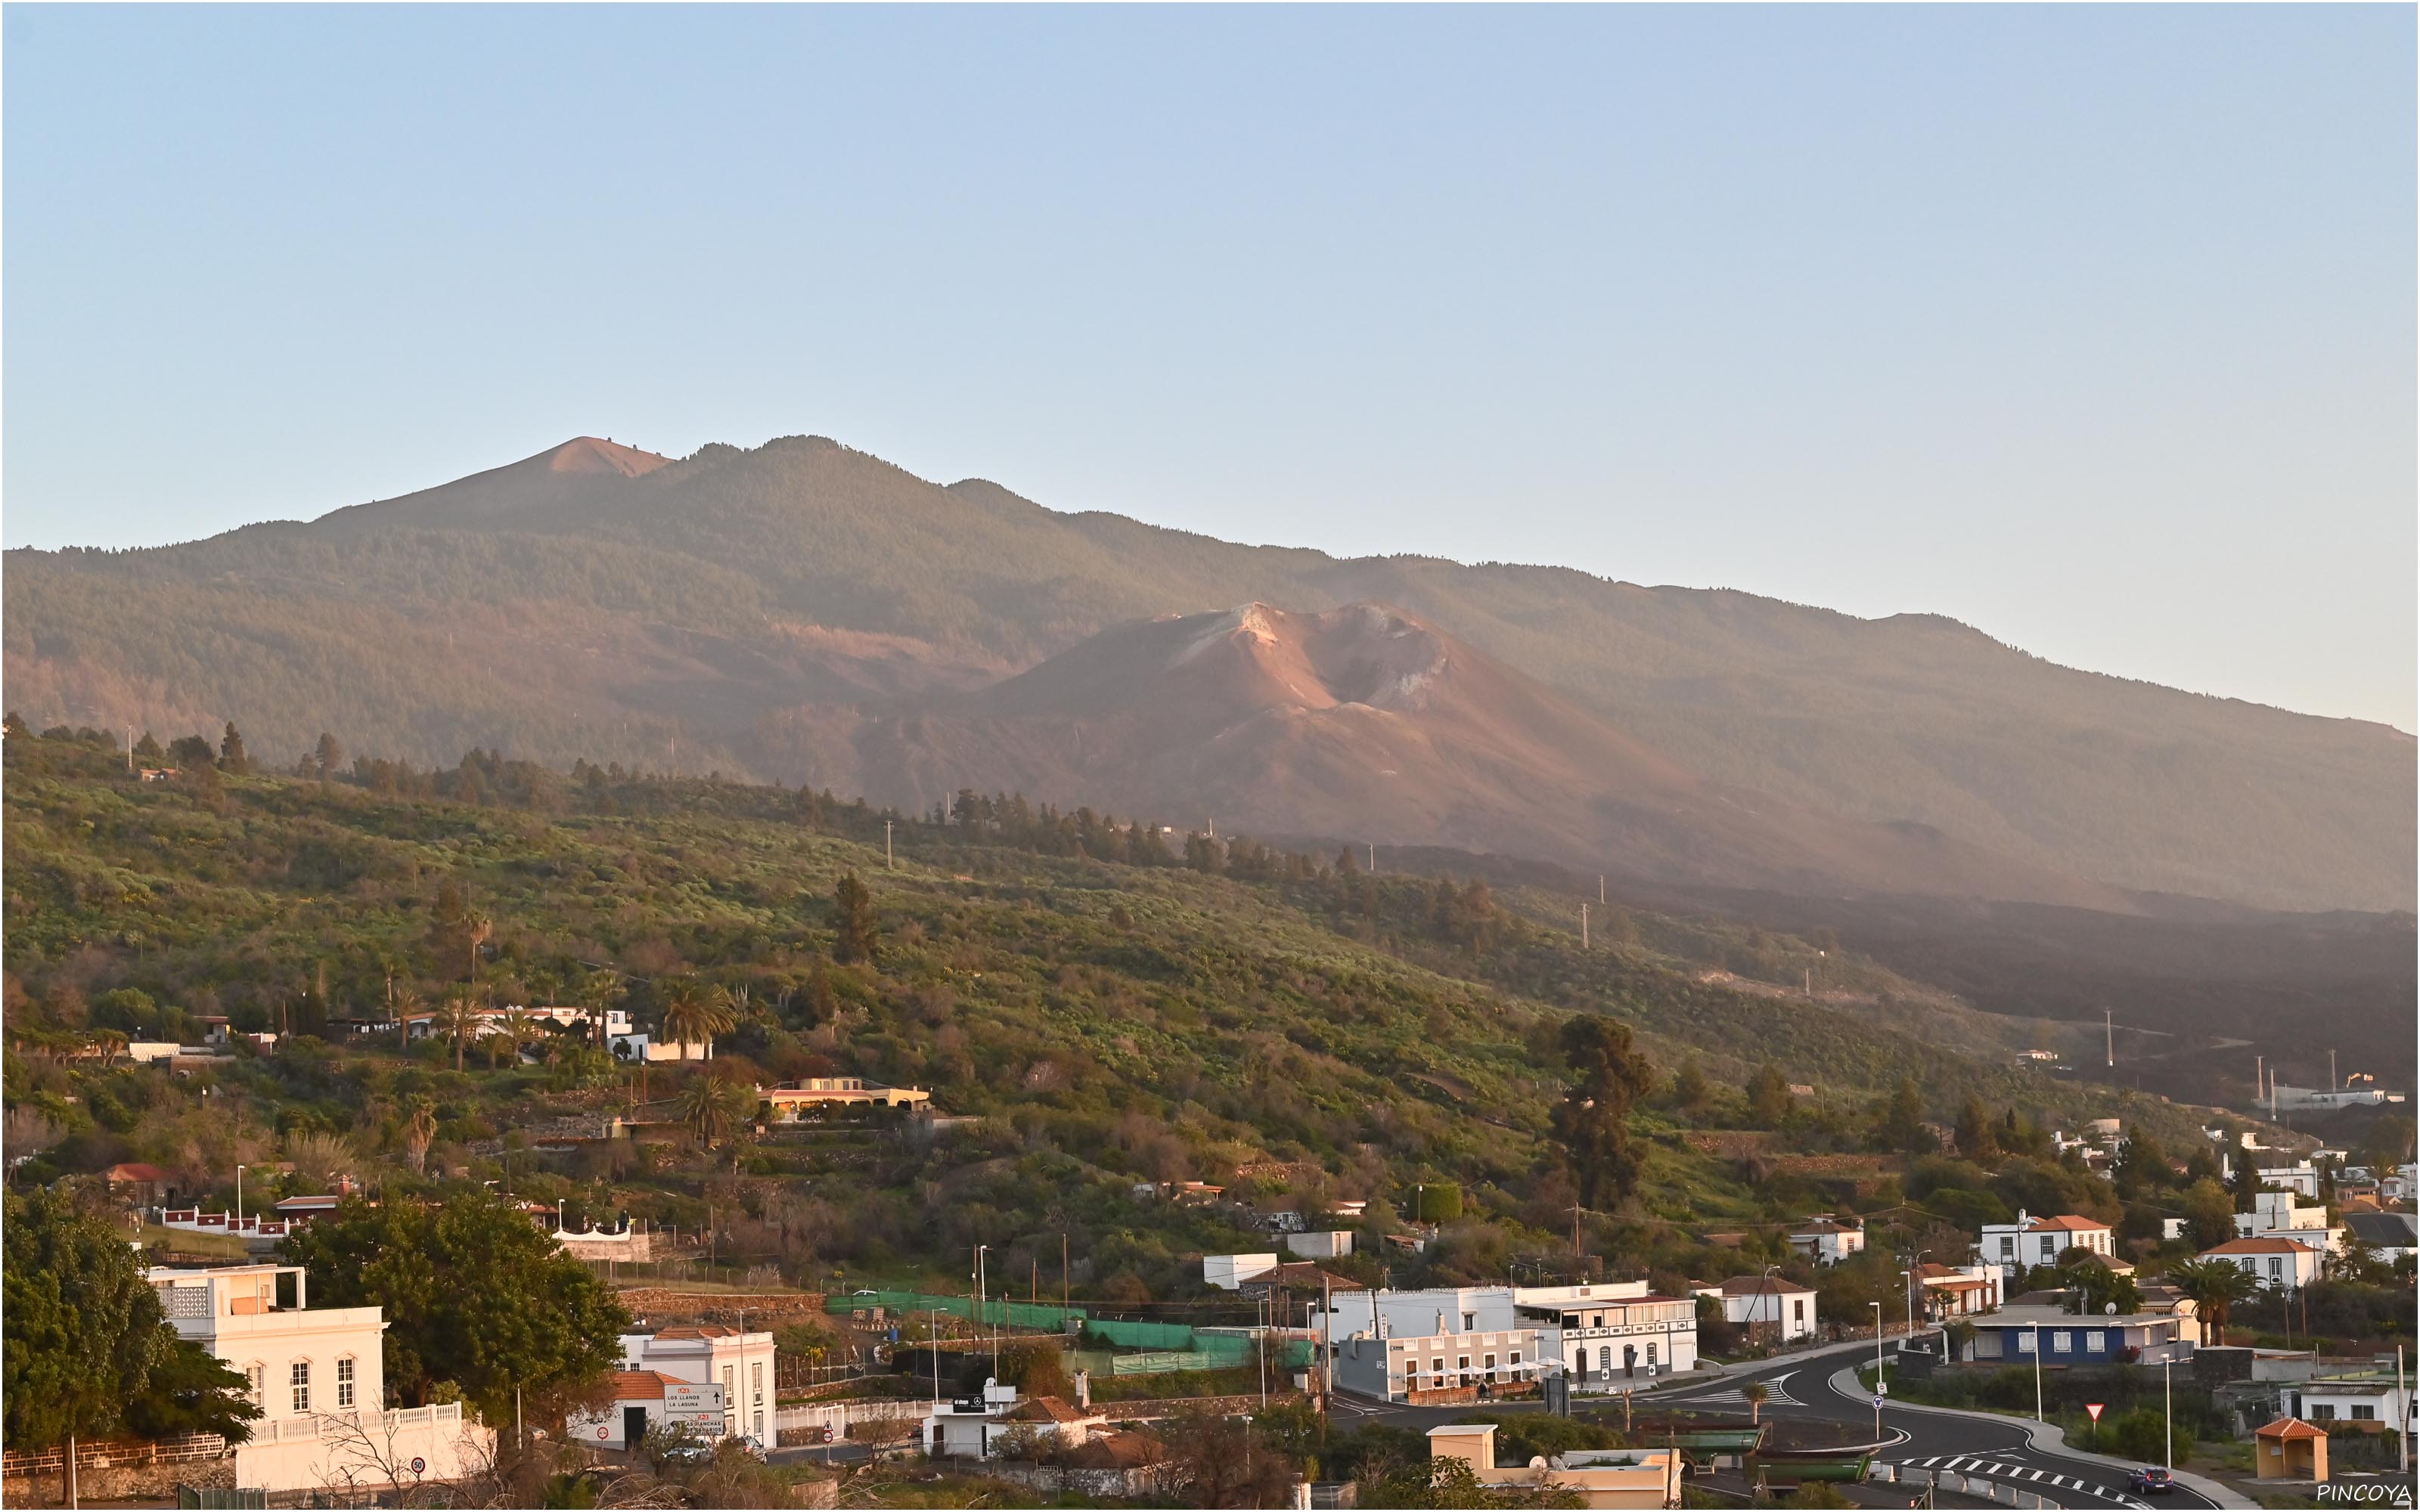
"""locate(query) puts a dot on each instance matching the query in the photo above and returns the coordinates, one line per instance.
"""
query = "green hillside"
(1111, 1008)
(663, 620)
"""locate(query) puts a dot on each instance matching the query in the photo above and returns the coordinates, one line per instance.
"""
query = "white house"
(2370, 1397)
(1960, 1290)
(1228, 1272)
(2277, 1215)
(1439, 1368)
(714, 1355)
(642, 1399)
(1828, 1242)
(1321, 1244)
(2018, 1246)
(967, 1427)
(1610, 1342)
(1417, 1314)
(318, 1378)
(2280, 1263)
(1769, 1307)
(2301, 1177)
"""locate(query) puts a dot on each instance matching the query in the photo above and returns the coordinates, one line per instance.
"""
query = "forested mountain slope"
(595, 600)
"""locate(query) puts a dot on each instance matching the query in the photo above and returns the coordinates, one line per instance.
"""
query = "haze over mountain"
(805, 612)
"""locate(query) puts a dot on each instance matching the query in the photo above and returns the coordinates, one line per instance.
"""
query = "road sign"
(2094, 1407)
(1878, 1398)
(1881, 1388)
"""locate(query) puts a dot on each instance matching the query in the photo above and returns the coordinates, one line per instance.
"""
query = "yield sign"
(2094, 1407)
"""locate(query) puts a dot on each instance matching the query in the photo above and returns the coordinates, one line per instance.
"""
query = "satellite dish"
(2111, 1309)
(1537, 1461)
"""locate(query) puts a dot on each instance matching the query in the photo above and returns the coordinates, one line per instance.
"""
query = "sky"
(2091, 327)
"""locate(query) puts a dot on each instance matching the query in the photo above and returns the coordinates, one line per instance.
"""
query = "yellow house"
(791, 1097)
(1603, 1477)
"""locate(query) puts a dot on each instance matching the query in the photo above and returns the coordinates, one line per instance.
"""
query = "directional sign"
(2094, 1407)
(1878, 1400)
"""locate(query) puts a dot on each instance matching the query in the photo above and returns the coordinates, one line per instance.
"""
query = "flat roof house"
(716, 1354)
(318, 1377)
(2011, 1335)
(1439, 1369)
(1601, 1477)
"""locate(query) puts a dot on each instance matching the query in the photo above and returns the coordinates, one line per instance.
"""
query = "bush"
(2139, 1435)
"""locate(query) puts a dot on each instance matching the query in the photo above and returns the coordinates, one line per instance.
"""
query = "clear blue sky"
(2091, 327)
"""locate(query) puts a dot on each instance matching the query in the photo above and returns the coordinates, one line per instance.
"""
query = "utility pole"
(2259, 1078)
(1600, 887)
(2334, 1085)
(1584, 945)
(1575, 1231)
(1327, 1310)
(886, 844)
(1374, 857)
(2109, 1034)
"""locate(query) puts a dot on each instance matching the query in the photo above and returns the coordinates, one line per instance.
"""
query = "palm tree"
(694, 1014)
(476, 929)
(2214, 1287)
(521, 1028)
(713, 1107)
(321, 1157)
(601, 991)
(458, 1020)
(406, 1003)
(419, 1133)
(1754, 1394)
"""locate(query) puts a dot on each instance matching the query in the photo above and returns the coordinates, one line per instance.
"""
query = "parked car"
(2151, 1481)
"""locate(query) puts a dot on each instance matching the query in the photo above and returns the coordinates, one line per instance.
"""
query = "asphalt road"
(1975, 1445)
(1970, 1443)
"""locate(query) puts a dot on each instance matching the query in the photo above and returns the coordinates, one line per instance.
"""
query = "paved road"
(1975, 1445)
(1971, 1444)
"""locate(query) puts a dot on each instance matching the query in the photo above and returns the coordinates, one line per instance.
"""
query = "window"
(1461, 1363)
(2050, 1248)
(301, 1375)
(254, 1374)
(1571, 1319)
(1491, 1367)
(1604, 1362)
(344, 1384)
(2025, 1341)
(2062, 1342)
(1436, 1367)
(2096, 1342)
(1651, 1357)
(2007, 1246)
(2322, 1411)
(730, 1402)
(756, 1382)
(2364, 1414)
(1598, 1321)
(2276, 1268)
(1798, 1310)
(1469, 1321)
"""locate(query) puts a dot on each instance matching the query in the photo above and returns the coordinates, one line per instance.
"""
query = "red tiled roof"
(2289, 1427)
(1755, 1286)
(137, 1171)
(2070, 1222)
(1117, 1451)
(1048, 1410)
(2260, 1246)
(638, 1385)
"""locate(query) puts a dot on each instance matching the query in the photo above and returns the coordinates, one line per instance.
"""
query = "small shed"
(2291, 1449)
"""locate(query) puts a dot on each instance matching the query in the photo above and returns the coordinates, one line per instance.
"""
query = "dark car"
(2150, 1481)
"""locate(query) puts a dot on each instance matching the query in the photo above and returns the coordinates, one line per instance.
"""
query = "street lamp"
(1911, 1294)
(1765, 1289)
(2037, 1399)
(982, 1307)
(238, 1200)
(1882, 1387)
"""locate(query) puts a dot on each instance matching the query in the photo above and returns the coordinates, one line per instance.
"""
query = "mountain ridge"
(620, 617)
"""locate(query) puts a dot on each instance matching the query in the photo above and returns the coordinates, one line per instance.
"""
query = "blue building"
(2011, 1337)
